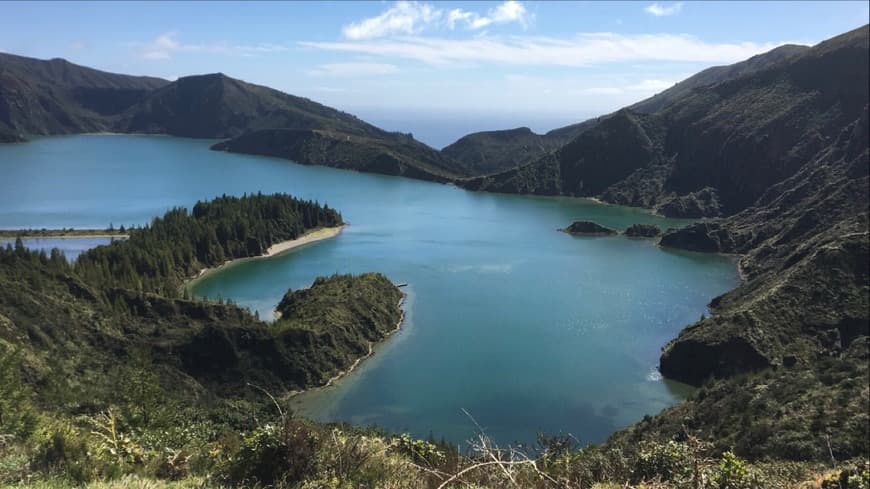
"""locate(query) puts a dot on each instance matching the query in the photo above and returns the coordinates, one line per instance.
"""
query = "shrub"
(17, 417)
(731, 473)
(273, 453)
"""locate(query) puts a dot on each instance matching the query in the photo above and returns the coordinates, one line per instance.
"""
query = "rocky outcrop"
(693, 362)
(643, 231)
(701, 203)
(588, 228)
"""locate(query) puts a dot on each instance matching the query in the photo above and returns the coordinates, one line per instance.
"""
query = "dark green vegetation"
(795, 412)
(160, 257)
(61, 323)
(117, 388)
(643, 231)
(124, 297)
(62, 233)
(589, 228)
(101, 377)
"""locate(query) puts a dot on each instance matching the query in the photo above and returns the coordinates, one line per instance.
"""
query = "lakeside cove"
(493, 282)
(273, 251)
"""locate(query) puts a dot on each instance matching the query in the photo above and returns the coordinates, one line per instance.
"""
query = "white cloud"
(354, 69)
(652, 85)
(639, 89)
(407, 18)
(330, 89)
(161, 47)
(664, 10)
(581, 50)
(459, 15)
(603, 90)
(165, 45)
(402, 18)
(504, 13)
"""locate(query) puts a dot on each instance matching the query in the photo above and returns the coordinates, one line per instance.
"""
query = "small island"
(588, 228)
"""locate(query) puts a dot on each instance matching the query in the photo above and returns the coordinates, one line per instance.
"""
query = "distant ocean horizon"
(441, 128)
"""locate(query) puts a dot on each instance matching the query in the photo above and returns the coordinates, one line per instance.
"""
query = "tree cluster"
(159, 257)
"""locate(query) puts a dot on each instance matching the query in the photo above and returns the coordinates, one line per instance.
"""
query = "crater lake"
(525, 328)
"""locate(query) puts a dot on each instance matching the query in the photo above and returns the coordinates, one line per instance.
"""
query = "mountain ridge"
(473, 148)
(714, 152)
(58, 97)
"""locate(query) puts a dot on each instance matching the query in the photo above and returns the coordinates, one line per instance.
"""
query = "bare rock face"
(694, 361)
(588, 228)
(702, 203)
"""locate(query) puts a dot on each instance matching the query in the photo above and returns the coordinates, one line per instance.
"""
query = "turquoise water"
(526, 328)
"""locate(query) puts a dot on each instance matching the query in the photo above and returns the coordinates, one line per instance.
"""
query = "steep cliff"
(805, 258)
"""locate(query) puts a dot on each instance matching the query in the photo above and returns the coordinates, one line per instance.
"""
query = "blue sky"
(535, 59)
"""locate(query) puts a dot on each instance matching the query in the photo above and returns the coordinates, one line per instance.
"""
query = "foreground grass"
(112, 450)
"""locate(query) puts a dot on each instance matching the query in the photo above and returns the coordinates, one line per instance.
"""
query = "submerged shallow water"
(526, 328)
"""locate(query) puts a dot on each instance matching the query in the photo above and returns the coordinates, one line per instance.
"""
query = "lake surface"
(526, 328)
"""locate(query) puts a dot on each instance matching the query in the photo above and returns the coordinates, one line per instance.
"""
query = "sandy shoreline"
(311, 237)
(274, 250)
